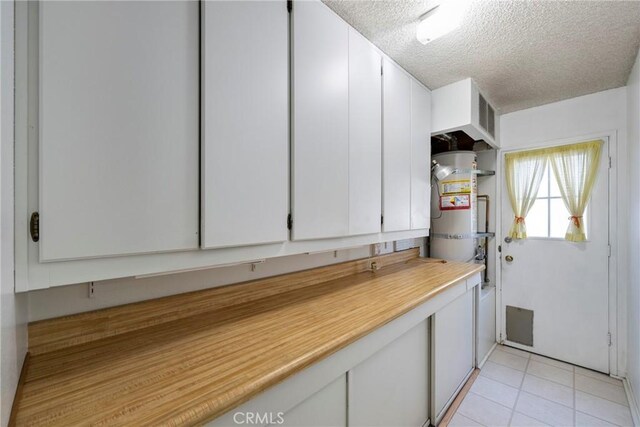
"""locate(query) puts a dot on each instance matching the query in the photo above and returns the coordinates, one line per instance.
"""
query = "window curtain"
(524, 171)
(575, 167)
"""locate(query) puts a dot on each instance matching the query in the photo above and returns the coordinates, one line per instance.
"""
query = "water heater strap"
(454, 236)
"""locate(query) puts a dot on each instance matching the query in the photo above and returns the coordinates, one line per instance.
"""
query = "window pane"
(537, 221)
(544, 184)
(555, 190)
(559, 218)
(585, 221)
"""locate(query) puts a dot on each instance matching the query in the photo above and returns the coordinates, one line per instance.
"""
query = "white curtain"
(524, 171)
(575, 167)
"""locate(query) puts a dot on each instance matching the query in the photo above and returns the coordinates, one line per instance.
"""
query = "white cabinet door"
(118, 128)
(486, 322)
(453, 348)
(326, 408)
(365, 136)
(320, 175)
(396, 148)
(245, 122)
(420, 156)
(391, 388)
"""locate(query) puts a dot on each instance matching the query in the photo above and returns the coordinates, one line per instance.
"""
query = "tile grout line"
(544, 362)
(598, 418)
(601, 381)
(574, 389)
(470, 417)
(544, 398)
(547, 379)
(534, 418)
(515, 404)
(490, 400)
(595, 395)
(526, 373)
(486, 398)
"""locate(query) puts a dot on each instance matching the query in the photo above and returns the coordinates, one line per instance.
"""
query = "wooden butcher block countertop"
(189, 358)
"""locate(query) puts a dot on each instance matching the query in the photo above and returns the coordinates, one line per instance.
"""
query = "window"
(549, 217)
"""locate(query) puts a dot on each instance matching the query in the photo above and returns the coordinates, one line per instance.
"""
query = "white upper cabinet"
(320, 166)
(365, 135)
(118, 128)
(245, 122)
(406, 186)
(396, 163)
(420, 156)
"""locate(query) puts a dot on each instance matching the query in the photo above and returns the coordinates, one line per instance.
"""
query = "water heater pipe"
(486, 239)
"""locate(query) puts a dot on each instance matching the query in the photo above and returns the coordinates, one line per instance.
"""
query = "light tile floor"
(516, 388)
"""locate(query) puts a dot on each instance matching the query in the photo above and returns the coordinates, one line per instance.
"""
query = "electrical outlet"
(383, 248)
(401, 245)
(92, 290)
(377, 249)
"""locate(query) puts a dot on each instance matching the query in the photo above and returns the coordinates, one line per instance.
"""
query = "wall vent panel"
(520, 325)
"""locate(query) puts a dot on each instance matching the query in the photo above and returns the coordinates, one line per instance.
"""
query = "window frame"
(549, 174)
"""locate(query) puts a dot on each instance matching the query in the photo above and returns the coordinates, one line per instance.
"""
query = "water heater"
(454, 202)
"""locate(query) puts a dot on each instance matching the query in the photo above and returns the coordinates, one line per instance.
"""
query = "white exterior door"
(565, 284)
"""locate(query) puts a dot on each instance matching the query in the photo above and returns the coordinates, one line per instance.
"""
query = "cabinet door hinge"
(289, 5)
(609, 251)
(609, 338)
(34, 226)
(381, 70)
(610, 162)
(381, 219)
(289, 222)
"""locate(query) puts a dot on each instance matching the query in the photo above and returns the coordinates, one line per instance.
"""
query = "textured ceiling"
(521, 53)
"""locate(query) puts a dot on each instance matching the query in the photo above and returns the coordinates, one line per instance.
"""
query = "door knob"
(508, 258)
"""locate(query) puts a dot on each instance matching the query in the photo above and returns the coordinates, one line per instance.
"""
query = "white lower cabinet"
(328, 407)
(391, 388)
(453, 344)
(404, 373)
(486, 328)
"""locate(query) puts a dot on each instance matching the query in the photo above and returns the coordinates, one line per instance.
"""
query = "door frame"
(616, 308)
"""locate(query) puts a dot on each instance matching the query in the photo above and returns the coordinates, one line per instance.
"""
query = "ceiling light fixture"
(440, 20)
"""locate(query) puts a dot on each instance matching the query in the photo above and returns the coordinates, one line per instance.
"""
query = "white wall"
(633, 295)
(574, 118)
(13, 308)
(59, 301)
